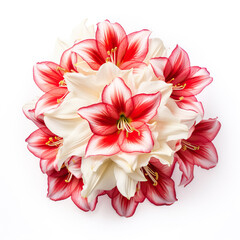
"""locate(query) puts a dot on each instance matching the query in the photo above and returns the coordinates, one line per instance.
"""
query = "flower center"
(151, 174)
(179, 86)
(124, 124)
(54, 141)
(187, 145)
(112, 56)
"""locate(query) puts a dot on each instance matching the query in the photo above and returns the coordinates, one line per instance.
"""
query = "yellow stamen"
(181, 98)
(123, 124)
(54, 142)
(179, 86)
(187, 145)
(62, 83)
(112, 56)
(152, 175)
(62, 69)
(69, 177)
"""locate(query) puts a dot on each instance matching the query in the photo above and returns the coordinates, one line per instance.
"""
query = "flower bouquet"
(116, 116)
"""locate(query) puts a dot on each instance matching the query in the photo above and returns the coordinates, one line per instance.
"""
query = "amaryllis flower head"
(119, 122)
(112, 44)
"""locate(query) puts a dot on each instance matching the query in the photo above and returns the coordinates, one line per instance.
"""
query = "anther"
(179, 86)
(62, 83)
(62, 69)
(152, 175)
(69, 177)
(187, 145)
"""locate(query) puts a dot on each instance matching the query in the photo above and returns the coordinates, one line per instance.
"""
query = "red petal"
(47, 161)
(208, 128)
(132, 64)
(206, 157)
(137, 46)
(177, 67)
(103, 145)
(197, 80)
(158, 66)
(164, 192)
(80, 201)
(117, 93)
(50, 100)
(163, 168)
(37, 142)
(88, 51)
(190, 103)
(186, 168)
(102, 118)
(30, 114)
(47, 75)
(145, 106)
(58, 189)
(74, 166)
(123, 206)
(137, 141)
(68, 60)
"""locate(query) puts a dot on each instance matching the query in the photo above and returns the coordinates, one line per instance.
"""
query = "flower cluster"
(116, 116)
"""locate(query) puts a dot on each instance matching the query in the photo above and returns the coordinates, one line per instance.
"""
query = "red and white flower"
(119, 123)
(159, 189)
(187, 81)
(64, 183)
(112, 44)
(198, 149)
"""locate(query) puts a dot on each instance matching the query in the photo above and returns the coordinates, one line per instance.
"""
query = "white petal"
(82, 31)
(91, 86)
(168, 127)
(157, 86)
(63, 120)
(187, 117)
(156, 49)
(100, 179)
(126, 183)
(75, 144)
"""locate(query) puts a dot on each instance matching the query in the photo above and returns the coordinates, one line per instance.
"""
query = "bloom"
(187, 81)
(198, 149)
(112, 44)
(119, 122)
(158, 189)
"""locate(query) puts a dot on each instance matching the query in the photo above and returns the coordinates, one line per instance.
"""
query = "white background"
(208, 208)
